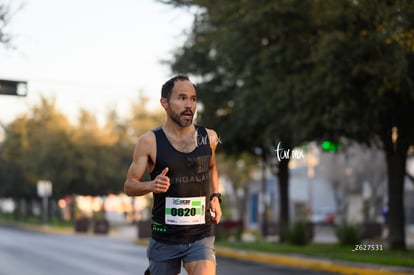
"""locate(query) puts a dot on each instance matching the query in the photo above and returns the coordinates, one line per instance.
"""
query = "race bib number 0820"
(185, 211)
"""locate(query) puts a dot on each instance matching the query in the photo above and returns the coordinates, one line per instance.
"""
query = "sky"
(91, 54)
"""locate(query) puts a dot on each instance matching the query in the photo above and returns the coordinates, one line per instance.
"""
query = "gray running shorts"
(166, 259)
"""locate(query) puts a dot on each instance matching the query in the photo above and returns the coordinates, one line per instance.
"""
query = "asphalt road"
(33, 253)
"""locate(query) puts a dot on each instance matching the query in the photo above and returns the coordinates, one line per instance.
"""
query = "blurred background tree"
(83, 159)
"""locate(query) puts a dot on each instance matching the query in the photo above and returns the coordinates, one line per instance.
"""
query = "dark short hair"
(169, 85)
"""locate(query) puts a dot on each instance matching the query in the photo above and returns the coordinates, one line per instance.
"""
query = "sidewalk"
(340, 267)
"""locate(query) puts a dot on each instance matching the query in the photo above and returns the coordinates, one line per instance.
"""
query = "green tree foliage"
(37, 146)
(13, 164)
(296, 70)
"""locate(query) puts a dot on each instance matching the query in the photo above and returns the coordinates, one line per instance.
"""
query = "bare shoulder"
(146, 143)
(147, 138)
(213, 138)
(211, 132)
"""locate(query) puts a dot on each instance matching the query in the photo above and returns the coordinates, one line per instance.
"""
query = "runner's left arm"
(213, 176)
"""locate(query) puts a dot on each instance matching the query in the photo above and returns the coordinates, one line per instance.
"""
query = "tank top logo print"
(198, 164)
(199, 167)
(189, 179)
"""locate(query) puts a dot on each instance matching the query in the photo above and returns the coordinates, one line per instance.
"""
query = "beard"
(179, 120)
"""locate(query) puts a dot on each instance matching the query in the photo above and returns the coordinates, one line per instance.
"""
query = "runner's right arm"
(143, 157)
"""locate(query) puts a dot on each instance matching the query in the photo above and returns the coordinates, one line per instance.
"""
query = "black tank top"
(189, 177)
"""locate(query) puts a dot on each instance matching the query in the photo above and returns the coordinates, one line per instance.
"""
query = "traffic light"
(11, 87)
(330, 146)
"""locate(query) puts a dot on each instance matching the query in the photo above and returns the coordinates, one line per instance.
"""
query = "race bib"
(185, 211)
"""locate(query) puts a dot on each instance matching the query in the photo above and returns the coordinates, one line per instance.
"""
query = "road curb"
(305, 263)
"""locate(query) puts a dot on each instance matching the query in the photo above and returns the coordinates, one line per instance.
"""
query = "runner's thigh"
(201, 267)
